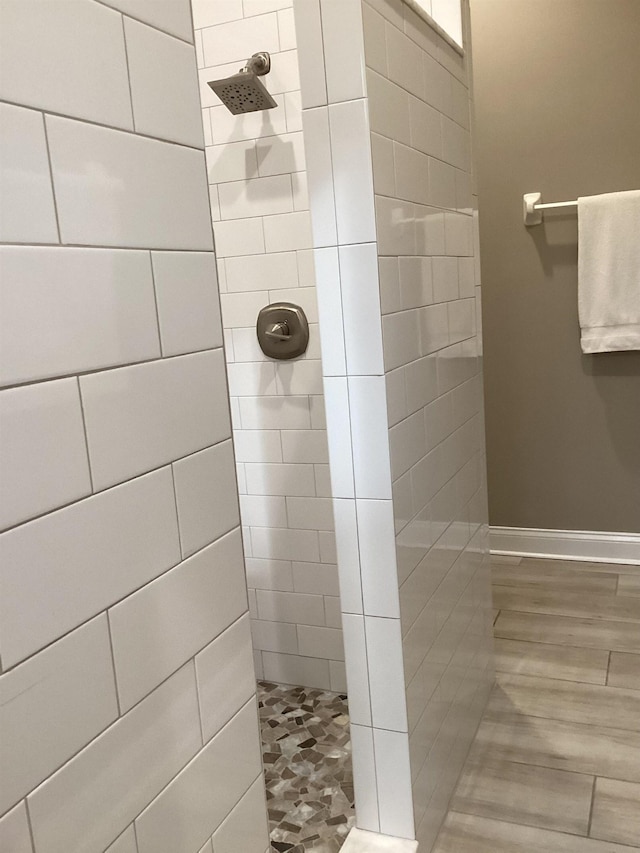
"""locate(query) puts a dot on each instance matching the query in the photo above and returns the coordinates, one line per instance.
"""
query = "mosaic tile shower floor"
(306, 750)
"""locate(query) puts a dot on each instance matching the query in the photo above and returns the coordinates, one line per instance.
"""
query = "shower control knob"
(279, 331)
(283, 330)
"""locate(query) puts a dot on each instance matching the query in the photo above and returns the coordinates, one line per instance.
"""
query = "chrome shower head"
(244, 92)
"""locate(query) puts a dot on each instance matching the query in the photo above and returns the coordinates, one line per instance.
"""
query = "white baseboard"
(585, 545)
(362, 841)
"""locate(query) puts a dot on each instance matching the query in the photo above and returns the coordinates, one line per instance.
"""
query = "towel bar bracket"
(532, 207)
(531, 215)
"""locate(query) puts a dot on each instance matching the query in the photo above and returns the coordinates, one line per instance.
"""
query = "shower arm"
(259, 64)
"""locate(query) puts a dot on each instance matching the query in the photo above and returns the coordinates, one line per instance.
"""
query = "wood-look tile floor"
(555, 765)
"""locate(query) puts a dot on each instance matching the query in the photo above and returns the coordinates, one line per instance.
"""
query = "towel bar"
(532, 208)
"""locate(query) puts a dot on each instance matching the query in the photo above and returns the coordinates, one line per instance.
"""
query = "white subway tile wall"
(430, 287)
(127, 686)
(390, 147)
(257, 176)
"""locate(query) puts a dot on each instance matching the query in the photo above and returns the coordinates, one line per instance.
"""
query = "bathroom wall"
(127, 703)
(419, 104)
(557, 109)
(387, 135)
(258, 188)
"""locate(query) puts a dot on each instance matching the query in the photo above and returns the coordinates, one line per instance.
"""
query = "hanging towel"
(609, 271)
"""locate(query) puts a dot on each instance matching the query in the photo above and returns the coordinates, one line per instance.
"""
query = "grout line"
(282, 446)
(115, 486)
(427, 19)
(593, 798)
(309, 247)
(536, 826)
(594, 618)
(113, 664)
(446, 483)
(92, 123)
(215, 142)
(245, 17)
(368, 671)
(195, 681)
(519, 674)
(155, 302)
(94, 371)
(432, 206)
(555, 645)
(518, 715)
(264, 235)
(86, 447)
(610, 689)
(279, 34)
(233, 530)
(324, 614)
(440, 113)
(198, 40)
(175, 504)
(110, 725)
(609, 618)
(29, 823)
(183, 665)
(420, 411)
(438, 109)
(193, 31)
(122, 834)
(323, 54)
(375, 768)
(146, 23)
(53, 187)
(428, 304)
(128, 67)
(9, 244)
(84, 746)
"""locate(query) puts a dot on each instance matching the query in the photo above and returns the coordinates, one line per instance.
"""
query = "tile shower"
(353, 198)
(258, 188)
(356, 193)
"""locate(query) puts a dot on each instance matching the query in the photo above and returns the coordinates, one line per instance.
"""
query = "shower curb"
(362, 841)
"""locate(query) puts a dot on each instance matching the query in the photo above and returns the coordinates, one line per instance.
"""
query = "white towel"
(609, 271)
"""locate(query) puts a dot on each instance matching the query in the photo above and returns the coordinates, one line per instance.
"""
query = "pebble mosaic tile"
(306, 751)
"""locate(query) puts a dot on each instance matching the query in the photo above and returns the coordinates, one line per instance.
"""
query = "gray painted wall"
(557, 86)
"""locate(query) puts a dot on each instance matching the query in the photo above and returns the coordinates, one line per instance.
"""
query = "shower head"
(244, 92)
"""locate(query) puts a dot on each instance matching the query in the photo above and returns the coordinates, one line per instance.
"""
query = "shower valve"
(283, 330)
